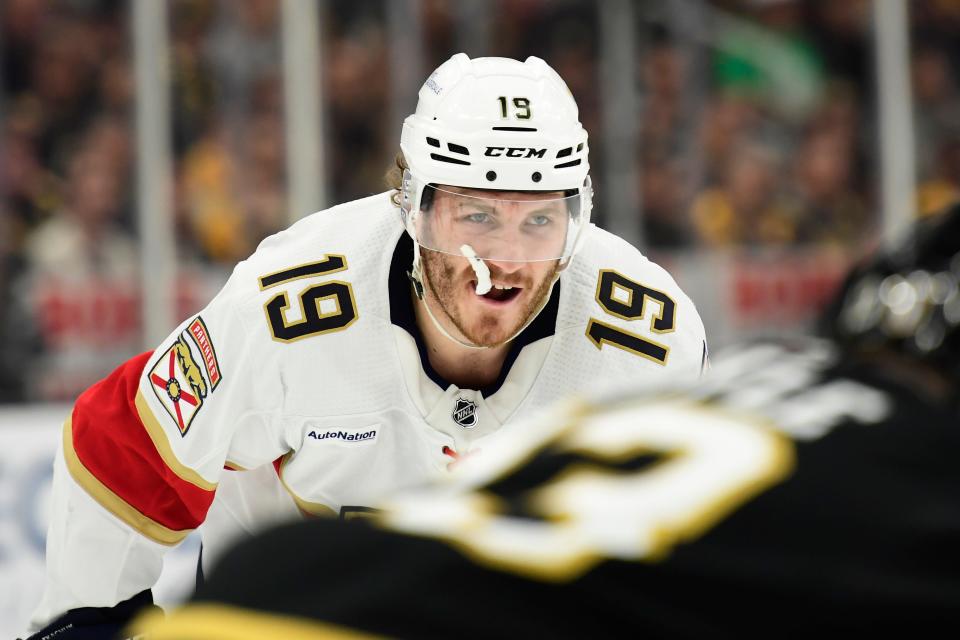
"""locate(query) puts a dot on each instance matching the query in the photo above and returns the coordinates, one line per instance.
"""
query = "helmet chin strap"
(483, 286)
(416, 276)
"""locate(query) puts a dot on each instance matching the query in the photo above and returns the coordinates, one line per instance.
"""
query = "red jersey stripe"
(109, 500)
(114, 445)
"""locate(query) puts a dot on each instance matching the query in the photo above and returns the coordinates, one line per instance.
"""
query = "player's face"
(519, 287)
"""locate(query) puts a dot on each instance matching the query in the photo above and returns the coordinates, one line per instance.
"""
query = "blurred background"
(753, 147)
(738, 142)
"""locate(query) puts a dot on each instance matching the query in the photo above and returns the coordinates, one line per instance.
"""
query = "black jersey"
(792, 491)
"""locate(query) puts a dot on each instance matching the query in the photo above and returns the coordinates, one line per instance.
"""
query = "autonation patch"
(367, 435)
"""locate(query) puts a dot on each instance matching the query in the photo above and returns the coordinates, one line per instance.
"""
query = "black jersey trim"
(402, 315)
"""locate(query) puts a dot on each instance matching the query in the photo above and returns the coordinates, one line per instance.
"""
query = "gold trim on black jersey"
(223, 622)
(557, 541)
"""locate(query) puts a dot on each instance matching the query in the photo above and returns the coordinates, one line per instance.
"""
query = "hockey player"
(802, 488)
(367, 347)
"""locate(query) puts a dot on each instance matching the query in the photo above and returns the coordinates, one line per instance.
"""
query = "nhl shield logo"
(465, 413)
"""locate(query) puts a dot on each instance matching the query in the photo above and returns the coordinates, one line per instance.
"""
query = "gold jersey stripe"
(309, 508)
(160, 441)
(222, 622)
(111, 501)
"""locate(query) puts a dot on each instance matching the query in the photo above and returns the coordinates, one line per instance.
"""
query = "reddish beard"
(445, 277)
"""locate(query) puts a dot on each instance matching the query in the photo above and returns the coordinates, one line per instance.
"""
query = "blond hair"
(394, 177)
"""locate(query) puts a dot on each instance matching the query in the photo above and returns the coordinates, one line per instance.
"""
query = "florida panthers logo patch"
(465, 413)
(179, 382)
(198, 331)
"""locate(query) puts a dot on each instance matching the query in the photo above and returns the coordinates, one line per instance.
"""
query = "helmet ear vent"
(491, 175)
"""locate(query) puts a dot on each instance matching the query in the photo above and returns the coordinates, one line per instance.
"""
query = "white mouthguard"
(479, 267)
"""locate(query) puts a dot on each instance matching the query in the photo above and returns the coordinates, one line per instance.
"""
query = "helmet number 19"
(521, 106)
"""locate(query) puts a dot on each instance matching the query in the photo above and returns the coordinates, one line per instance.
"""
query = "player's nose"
(506, 264)
(510, 251)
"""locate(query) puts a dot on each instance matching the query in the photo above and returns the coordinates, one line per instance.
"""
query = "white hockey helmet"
(502, 125)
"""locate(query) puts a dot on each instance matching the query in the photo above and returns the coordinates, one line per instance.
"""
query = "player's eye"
(478, 218)
(539, 220)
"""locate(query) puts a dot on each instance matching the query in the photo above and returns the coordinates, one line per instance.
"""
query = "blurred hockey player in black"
(801, 487)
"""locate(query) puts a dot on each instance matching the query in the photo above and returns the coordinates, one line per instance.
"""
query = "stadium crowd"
(758, 131)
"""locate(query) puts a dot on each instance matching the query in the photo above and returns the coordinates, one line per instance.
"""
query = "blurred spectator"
(227, 126)
(840, 31)
(663, 72)
(83, 237)
(665, 224)
(77, 296)
(242, 47)
(727, 119)
(747, 208)
(212, 207)
(235, 199)
(109, 137)
(263, 176)
(840, 116)
(830, 211)
(936, 105)
(942, 185)
(439, 30)
(30, 190)
(937, 22)
(356, 81)
(20, 22)
(116, 85)
(62, 81)
(193, 91)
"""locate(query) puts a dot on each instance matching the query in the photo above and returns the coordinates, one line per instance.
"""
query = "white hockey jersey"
(303, 388)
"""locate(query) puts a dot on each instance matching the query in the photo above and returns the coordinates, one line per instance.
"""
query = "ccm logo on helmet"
(515, 152)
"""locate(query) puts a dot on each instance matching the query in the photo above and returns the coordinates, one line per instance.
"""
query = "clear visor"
(521, 227)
